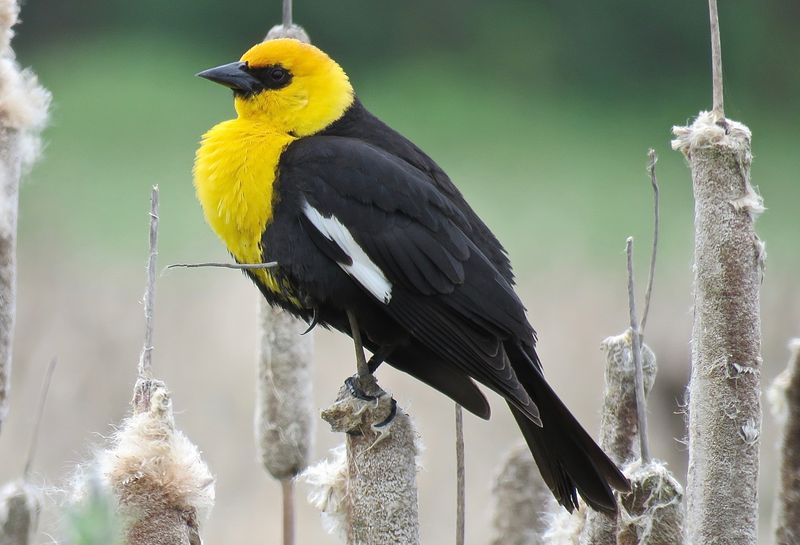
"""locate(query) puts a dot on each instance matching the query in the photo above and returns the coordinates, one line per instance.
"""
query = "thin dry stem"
(48, 375)
(287, 14)
(287, 496)
(238, 266)
(641, 407)
(716, 63)
(146, 358)
(651, 168)
(460, 476)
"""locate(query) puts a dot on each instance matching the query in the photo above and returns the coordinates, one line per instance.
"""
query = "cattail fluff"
(652, 514)
(163, 489)
(24, 107)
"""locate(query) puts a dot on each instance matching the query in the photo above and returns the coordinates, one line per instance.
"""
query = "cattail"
(20, 506)
(784, 397)
(619, 422)
(162, 488)
(380, 502)
(23, 113)
(285, 408)
(284, 420)
(520, 501)
(724, 401)
(293, 31)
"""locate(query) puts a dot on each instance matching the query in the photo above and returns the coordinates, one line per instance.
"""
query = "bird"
(368, 236)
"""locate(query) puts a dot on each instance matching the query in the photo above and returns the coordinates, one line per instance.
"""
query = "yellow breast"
(234, 174)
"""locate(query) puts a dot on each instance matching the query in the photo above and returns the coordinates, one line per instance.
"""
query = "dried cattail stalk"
(619, 424)
(162, 488)
(724, 402)
(23, 113)
(521, 499)
(20, 506)
(284, 417)
(293, 31)
(380, 503)
(784, 397)
(652, 514)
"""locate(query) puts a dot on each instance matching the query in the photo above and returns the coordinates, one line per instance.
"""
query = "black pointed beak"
(234, 75)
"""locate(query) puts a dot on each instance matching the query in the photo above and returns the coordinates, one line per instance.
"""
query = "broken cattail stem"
(460, 476)
(23, 114)
(784, 396)
(37, 422)
(287, 14)
(716, 63)
(724, 401)
(381, 500)
(146, 358)
(287, 498)
(162, 487)
(636, 343)
(619, 421)
(652, 159)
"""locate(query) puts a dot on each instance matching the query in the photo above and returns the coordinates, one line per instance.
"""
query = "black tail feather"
(568, 458)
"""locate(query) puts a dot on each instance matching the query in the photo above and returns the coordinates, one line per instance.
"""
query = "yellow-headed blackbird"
(363, 224)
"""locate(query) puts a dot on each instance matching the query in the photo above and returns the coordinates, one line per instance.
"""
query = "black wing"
(402, 240)
(358, 122)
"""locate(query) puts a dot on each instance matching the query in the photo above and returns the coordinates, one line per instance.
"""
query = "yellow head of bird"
(289, 85)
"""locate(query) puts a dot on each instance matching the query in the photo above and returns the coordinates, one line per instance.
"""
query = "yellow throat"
(236, 164)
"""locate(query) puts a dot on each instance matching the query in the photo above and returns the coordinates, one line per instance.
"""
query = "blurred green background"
(551, 103)
(541, 111)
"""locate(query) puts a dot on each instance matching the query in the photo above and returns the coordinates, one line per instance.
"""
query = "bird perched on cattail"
(371, 237)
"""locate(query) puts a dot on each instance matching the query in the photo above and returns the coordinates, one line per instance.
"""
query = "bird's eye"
(278, 74)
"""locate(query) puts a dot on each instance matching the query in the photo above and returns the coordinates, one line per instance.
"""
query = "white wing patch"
(363, 269)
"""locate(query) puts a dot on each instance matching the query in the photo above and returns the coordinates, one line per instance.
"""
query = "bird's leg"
(364, 387)
(361, 361)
